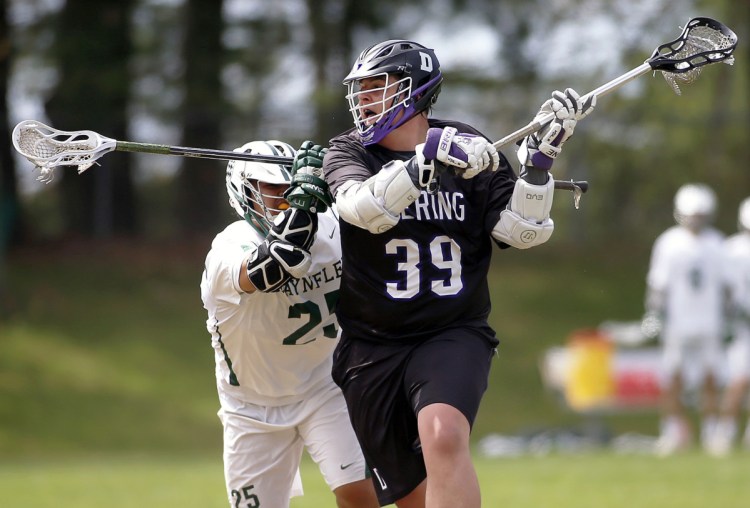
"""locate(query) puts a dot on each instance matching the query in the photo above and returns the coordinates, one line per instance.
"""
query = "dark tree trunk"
(201, 202)
(332, 24)
(92, 51)
(10, 209)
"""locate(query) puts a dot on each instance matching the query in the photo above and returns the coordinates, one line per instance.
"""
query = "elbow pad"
(274, 263)
(526, 222)
(377, 203)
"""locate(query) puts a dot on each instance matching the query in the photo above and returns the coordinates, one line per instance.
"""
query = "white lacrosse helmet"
(244, 192)
(743, 218)
(694, 206)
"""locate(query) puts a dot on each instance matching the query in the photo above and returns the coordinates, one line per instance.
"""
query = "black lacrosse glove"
(309, 191)
(296, 227)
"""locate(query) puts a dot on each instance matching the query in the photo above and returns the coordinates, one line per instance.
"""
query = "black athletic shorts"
(386, 385)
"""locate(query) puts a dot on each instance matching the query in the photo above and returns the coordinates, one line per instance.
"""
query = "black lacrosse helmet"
(417, 88)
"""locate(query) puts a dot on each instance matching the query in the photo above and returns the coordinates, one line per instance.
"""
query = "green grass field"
(563, 481)
(108, 398)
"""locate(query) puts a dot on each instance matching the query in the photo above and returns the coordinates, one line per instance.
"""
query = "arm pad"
(275, 262)
(376, 203)
(526, 222)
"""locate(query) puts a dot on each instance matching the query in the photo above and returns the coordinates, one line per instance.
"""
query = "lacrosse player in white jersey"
(685, 295)
(270, 285)
(737, 263)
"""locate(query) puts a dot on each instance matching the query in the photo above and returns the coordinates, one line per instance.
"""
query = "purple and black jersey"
(429, 272)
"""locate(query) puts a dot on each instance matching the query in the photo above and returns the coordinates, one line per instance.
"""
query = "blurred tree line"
(216, 74)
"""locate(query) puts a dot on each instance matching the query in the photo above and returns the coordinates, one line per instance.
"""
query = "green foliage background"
(107, 393)
(107, 390)
(104, 346)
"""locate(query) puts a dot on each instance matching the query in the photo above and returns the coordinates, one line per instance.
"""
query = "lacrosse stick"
(48, 148)
(703, 41)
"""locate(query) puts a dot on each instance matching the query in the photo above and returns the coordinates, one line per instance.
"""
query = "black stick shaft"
(571, 185)
(204, 153)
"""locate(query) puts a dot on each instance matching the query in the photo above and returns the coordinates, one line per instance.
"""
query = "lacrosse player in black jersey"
(421, 201)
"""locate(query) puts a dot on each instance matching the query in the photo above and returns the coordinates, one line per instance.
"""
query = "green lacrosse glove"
(309, 190)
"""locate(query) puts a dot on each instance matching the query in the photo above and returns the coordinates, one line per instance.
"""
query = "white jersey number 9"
(444, 255)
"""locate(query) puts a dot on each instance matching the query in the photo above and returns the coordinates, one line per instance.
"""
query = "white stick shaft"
(606, 88)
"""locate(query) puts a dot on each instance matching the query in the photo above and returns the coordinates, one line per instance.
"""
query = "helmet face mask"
(383, 104)
(411, 80)
(255, 188)
(694, 206)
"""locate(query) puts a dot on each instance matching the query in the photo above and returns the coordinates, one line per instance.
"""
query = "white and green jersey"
(688, 269)
(737, 263)
(737, 249)
(271, 349)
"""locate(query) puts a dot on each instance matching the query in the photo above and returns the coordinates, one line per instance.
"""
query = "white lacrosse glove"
(467, 154)
(541, 148)
(651, 324)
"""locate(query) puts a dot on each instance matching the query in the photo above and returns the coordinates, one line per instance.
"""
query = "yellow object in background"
(590, 383)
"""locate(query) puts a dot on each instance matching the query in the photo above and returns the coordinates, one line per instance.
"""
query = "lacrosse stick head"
(48, 148)
(702, 41)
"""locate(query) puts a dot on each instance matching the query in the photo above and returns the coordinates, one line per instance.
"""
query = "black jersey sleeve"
(347, 159)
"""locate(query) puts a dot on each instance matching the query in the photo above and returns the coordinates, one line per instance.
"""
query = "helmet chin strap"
(392, 113)
(414, 104)
(392, 121)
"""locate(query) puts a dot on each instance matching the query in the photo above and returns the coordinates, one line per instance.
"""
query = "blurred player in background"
(270, 284)
(737, 251)
(685, 298)
(422, 202)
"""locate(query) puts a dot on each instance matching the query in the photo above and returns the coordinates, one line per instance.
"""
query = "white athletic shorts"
(263, 448)
(693, 357)
(738, 356)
